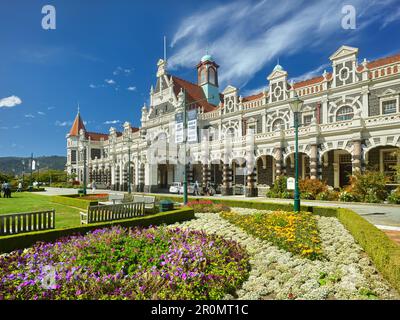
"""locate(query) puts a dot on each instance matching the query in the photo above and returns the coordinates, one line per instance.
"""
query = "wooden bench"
(26, 222)
(149, 201)
(112, 212)
(115, 197)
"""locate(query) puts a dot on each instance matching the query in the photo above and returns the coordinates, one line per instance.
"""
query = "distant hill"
(7, 164)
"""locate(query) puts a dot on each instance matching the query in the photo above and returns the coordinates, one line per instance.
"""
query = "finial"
(78, 108)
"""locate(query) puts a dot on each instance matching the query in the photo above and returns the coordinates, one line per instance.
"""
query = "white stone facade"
(350, 121)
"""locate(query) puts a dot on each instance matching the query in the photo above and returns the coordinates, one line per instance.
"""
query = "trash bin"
(166, 205)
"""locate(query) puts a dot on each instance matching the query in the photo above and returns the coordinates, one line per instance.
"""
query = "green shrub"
(74, 202)
(328, 195)
(346, 196)
(368, 186)
(310, 188)
(279, 190)
(394, 196)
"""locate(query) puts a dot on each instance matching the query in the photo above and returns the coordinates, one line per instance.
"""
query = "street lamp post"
(84, 155)
(185, 191)
(128, 141)
(295, 105)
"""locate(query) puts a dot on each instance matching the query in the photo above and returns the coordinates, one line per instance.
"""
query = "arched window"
(211, 76)
(203, 75)
(278, 124)
(344, 113)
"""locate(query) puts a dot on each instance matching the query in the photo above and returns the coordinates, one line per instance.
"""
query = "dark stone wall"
(373, 101)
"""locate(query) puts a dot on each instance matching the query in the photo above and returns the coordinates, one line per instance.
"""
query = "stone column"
(251, 190)
(314, 162)
(226, 188)
(189, 169)
(141, 178)
(356, 156)
(112, 177)
(205, 174)
(278, 162)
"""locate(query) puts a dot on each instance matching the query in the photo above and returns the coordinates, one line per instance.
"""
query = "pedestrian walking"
(19, 189)
(196, 188)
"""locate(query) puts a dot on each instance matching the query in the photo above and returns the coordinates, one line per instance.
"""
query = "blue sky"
(103, 54)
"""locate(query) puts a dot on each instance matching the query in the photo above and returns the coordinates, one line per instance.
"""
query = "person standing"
(196, 188)
(19, 187)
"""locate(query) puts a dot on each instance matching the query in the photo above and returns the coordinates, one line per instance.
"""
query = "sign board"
(33, 165)
(192, 126)
(290, 183)
(179, 127)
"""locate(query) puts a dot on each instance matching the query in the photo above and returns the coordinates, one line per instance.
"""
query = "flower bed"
(97, 196)
(345, 272)
(118, 263)
(293, 232)
(207, 206)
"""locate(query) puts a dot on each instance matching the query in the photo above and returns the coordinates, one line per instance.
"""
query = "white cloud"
(41, 113)
(131, 88)
(112, 121)
(63, 123)
(311, 74)
(120, 70)
(16, 127)
(250, 92)
(394, 16)
(4, 128)
(244, 36)
(51, 108)
(109, 81)
(92, 86)
(10, 102)
(29, 115)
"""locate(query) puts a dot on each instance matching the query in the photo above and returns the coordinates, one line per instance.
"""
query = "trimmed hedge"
(384, 253)
(24, 240)
(74, 202)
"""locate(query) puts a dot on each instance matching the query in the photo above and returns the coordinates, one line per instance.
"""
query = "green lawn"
(66, 216)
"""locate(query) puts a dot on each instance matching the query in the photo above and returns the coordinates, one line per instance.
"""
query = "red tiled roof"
(384, 61)
(77, 126)
(96, 136)
(134, 129)
(253, 97)
(308, 82)
(193, 93)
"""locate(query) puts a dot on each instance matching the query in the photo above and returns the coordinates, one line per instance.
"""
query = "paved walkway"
(381, 215)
